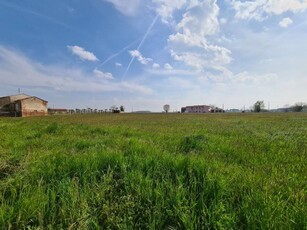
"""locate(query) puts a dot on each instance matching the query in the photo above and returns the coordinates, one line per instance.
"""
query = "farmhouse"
(201, 109)
(22, 105)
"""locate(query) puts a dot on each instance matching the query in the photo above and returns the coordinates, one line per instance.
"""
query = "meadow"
(154, 171)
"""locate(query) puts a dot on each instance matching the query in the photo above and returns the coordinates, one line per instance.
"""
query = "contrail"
(119, 52)
(148, 31)
(141, 43)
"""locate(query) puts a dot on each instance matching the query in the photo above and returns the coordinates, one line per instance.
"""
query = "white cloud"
(118, 64)
(103, 75)
(200, 18)
(155, 66)
(285, 22)
(167, 66)
(19, 71)
(139, 56)
(260, 9)
(165, 8)
(82, 53)
(192, 43)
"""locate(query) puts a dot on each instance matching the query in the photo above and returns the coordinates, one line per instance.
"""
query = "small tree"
(258, 106)
(122, 108)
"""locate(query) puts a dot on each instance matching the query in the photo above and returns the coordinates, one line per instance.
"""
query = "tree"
(122, 108)
(298, 107)
(166, 108)
(113, 108)
(258, 106)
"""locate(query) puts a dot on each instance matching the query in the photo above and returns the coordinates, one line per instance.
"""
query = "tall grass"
(156, 171)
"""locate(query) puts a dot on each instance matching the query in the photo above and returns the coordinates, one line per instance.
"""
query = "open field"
(154, 171)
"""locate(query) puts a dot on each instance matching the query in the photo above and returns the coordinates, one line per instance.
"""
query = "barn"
(23, 105)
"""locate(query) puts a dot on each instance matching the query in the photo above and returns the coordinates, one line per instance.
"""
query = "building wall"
(32, 107)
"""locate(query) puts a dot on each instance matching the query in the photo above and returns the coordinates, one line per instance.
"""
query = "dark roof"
(57, 109)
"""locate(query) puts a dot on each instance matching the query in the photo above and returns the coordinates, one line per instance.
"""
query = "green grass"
(154, 171)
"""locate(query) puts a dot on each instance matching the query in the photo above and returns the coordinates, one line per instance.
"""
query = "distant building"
(201, 109)
(58, 111)
(23, 105)
(234, 111)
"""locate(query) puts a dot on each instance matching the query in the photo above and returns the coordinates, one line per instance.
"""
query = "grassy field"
(154, 171)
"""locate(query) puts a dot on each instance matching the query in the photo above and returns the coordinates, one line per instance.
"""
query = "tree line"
(259, 106)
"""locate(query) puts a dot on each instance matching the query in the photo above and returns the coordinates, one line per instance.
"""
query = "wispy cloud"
(34, 13)
(103, 75)
(19, 71)
(126, 7)
(82, 53)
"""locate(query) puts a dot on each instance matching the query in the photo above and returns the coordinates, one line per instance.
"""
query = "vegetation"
(259, 106)
(298, 107)
(154, 171)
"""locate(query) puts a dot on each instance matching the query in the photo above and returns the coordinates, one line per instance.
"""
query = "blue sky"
(146, 53)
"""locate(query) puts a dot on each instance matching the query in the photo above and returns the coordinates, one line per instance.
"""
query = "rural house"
(22, 105)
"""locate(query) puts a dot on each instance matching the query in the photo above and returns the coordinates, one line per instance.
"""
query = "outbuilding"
(23, 105)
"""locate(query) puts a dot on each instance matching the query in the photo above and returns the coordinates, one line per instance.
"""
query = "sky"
(143, 54)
